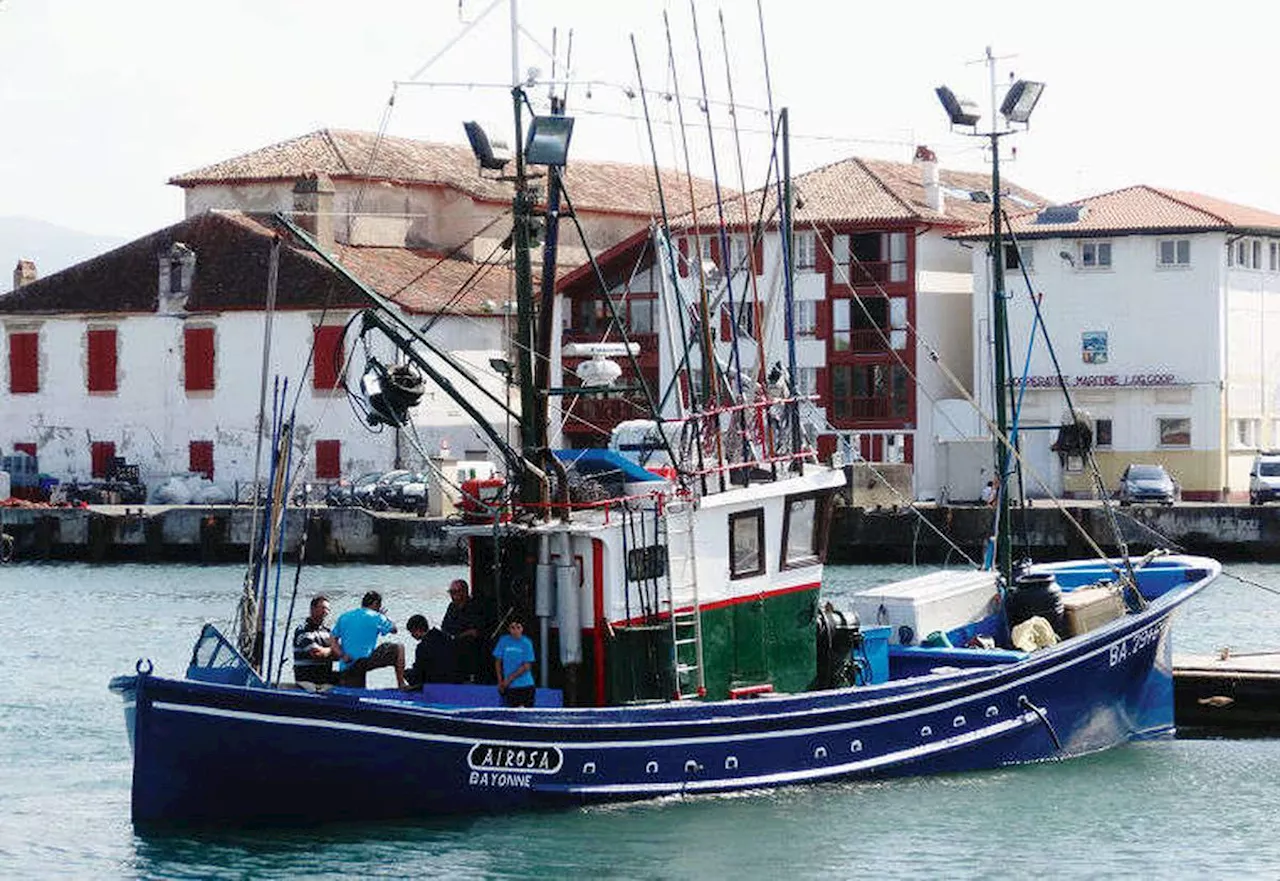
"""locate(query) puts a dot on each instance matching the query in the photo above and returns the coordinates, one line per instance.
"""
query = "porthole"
(820, 752)
(731, 763)
(957, 722)
(651, 768)
(926, 731)
(855, 746)
(589, 768)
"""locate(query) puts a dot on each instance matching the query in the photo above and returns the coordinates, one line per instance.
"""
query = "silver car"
(1147, 484)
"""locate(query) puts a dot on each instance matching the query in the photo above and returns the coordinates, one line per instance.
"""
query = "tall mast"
(1000, 329)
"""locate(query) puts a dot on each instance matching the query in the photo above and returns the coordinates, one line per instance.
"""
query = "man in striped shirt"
(313, 648)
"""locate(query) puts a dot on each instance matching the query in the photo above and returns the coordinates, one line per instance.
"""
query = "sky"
(103, 102)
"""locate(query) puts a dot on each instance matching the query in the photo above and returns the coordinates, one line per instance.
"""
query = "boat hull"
(211, 753)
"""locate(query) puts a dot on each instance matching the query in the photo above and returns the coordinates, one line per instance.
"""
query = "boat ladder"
(682, 602)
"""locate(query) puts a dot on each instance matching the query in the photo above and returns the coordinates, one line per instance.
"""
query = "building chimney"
(928, 163)
(313, 208)
(24, 273)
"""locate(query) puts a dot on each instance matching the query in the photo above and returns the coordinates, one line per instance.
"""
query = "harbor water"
(1177, 808)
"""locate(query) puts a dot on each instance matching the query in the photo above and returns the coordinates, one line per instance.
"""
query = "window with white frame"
(738, 253)
(1256, 248)
(1231, 255)
(1174, 431)
(1274, 249)
(1095, 255)
(805, 317)
(1019, 257)
(1174, 252)
(1245, 433)
(805, 249)
(1242, 254)
(806, 381)
(1102, 433)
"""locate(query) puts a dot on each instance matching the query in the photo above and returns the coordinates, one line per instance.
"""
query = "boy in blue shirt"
(513, 662)
(356, 637)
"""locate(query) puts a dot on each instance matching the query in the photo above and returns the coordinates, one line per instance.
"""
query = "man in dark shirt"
(433, 658)
(313, 648)
(462, 624)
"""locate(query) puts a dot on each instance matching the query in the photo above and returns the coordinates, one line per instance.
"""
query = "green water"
(1168, 809)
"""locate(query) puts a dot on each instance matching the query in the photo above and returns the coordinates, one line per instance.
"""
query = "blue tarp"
(594, 461)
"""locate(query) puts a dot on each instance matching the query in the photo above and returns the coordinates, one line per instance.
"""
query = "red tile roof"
(349, 155)
(858, 190)
(1140, 209)
(232, 252)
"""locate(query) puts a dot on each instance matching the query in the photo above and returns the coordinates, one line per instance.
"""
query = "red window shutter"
(328, 459)
(726, 324)
(908, 448)
(101, 454)
(758, 247)
(102, 360)
(821, 259)
(714, 248)
(822, 319)
(823, 390)
(826, 446)
(197, 348)
(29, 449)
(328, 356)
(24, 363)
(200, 458)
(684, 257)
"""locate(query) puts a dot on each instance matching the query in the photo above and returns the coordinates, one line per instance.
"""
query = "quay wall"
(928, 534)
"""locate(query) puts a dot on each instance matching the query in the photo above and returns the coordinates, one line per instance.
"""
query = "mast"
(1000, 330)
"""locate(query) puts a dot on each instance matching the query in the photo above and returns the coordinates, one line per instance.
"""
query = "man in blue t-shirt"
(356, 636)
(513, 662)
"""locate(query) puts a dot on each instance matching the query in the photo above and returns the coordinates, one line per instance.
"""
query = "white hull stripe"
(762, 780)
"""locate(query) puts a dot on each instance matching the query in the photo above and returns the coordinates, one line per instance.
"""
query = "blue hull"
(212, 753)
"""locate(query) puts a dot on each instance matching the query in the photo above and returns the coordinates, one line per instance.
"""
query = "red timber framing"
(24, 362)
(867, 324)
(102, 360)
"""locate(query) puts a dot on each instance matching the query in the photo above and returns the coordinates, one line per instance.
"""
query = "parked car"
(352, 493)
(1264, 478)
(1146, 484)
(400, 490)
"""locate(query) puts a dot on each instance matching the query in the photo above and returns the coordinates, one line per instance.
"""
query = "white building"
(1164, 308)
(153, 352)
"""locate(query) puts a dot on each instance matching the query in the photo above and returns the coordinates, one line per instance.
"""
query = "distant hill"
(52, 247)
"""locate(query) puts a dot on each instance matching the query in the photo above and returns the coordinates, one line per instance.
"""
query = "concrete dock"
(105, 533)
(1227, 694)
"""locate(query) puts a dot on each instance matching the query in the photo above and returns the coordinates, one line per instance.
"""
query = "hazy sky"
(103, 101)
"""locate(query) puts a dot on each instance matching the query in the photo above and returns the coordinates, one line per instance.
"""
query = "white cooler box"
(939, 601)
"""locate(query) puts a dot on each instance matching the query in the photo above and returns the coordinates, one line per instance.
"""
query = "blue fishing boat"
(683, 645)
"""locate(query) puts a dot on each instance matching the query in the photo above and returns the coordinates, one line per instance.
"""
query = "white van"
(1264, 478)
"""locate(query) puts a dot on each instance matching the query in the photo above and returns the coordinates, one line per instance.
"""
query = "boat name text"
(513, 757)
(1134, 643)
(501, 780)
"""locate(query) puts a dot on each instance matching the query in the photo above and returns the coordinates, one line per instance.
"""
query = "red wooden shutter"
(328, 459)
(197, 347)
(821, 259)
(29, 449)
(713, 248)
(24, 363)
(328, 356)
(102, 360)
(823, 388)
(758, 246)
(200, 458)
(822, 319)
(726, 324)
(908, 448)
(684, 257)
(826, 446)
(101, 456)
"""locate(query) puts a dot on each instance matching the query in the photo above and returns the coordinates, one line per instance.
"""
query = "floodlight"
(548, 142)
(1021, 100)
(960, 110)
(482, 148)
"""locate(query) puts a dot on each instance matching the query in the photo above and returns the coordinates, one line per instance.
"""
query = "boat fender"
(139, 667)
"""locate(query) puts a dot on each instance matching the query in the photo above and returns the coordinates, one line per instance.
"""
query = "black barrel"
(1036, 594)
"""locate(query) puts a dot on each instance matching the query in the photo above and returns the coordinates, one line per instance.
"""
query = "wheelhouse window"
(1095, 255)
(804, 531)
(1174, 252)
(1174, 432)
(746, 543)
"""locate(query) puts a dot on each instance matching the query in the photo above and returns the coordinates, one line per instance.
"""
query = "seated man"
(433, 658)
(462, 623)
(313, 648)
(356, 635)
